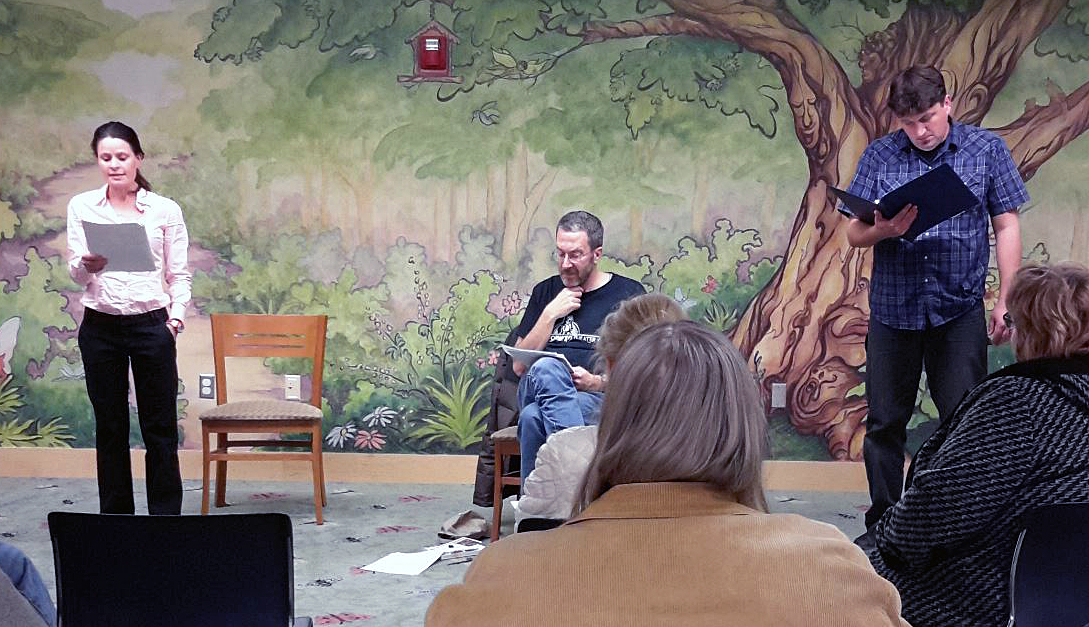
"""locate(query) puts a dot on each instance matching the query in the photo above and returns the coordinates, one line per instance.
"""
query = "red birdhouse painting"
(432, 53)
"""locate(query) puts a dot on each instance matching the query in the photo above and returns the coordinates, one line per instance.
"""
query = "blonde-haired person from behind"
(673, 527)
(549, 492)
(1018, 440)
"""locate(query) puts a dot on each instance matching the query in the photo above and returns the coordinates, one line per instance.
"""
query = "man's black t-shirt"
(575, 334)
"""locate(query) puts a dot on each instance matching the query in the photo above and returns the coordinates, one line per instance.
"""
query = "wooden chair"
(506, 445)
(242, 335)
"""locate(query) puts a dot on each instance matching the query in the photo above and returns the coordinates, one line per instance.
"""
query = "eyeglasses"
(574, 256)
(1008, 319)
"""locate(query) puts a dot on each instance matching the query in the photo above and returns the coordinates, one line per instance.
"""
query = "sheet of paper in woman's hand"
(124, 246)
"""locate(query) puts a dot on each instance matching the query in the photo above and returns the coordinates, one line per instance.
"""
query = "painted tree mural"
(807, 327)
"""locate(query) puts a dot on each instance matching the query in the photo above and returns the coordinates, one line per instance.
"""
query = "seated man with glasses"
(563, 316)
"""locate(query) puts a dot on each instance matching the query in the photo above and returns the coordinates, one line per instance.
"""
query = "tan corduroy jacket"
(672, 554)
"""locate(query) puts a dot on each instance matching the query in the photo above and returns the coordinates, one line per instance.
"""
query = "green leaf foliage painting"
(704, 134)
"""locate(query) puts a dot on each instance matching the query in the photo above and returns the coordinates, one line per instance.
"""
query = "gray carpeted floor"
(362, 523)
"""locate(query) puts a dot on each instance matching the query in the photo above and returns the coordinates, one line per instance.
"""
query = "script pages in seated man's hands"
(526, 357)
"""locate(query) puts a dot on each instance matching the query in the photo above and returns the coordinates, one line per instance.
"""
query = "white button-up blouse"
(118, 292)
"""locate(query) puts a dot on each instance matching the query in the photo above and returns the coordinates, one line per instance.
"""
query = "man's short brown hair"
(915, 90)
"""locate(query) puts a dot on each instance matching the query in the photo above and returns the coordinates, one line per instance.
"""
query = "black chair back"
(1049, 578)
(173, 571)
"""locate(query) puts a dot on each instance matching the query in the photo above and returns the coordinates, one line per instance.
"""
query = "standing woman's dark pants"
(109, 344)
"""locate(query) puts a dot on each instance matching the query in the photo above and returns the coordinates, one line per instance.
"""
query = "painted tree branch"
(919, 37)
(814, 80)
(658, 25)
(985, 53)
(1042, 130)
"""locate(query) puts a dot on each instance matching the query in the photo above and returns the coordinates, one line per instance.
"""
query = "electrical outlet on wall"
(293, 387)
(206, 385)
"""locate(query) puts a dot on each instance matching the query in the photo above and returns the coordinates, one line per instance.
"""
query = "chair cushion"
(262, 410)
(510, 433)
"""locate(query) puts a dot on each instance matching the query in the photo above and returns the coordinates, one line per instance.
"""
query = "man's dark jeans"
(955, 357)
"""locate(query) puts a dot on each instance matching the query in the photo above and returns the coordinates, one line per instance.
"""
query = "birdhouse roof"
(434, 27)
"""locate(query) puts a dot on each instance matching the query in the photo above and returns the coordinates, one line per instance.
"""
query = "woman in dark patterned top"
(1019, 439)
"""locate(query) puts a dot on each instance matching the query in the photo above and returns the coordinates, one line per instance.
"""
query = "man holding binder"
(926, 294)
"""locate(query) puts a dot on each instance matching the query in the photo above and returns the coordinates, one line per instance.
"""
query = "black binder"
(939, 194)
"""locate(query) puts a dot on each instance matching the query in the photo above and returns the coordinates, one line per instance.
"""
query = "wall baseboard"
(387, 468)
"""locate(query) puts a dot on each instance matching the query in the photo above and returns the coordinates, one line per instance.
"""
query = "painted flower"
(380, 417)
(512, 304)
(340, 435)
(710, 286)
(480, 363)
(370, 439)
(493, 358)
(683, 300)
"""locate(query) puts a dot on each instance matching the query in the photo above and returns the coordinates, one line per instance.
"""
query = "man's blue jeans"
(549, 403)
(18, 567)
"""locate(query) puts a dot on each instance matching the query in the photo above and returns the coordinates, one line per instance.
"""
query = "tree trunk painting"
(522, 201)
(807, 328)
(517, 171)
(359, 219)
(324, 219)
(700, 183)
(491, 198)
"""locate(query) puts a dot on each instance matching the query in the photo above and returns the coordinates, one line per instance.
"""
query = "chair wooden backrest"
(255, 335)
(247, 335)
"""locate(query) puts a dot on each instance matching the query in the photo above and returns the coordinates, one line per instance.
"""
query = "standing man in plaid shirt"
(926, 296)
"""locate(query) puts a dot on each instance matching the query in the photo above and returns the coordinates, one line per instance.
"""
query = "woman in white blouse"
(131, 318)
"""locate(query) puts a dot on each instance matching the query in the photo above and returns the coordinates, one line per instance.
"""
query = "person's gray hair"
(630, 318)
(681, 405)
(587, 223)
(1049, 306)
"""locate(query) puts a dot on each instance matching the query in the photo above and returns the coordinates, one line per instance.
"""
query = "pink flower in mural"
(370, 439)
(710, 286)
(491, 360)
(512, 304)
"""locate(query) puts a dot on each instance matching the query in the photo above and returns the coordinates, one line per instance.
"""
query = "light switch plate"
(778, 395)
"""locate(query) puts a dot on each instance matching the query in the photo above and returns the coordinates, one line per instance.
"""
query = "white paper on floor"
(419, 561)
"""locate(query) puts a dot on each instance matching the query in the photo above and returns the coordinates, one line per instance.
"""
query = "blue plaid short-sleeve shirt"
(942, 274)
